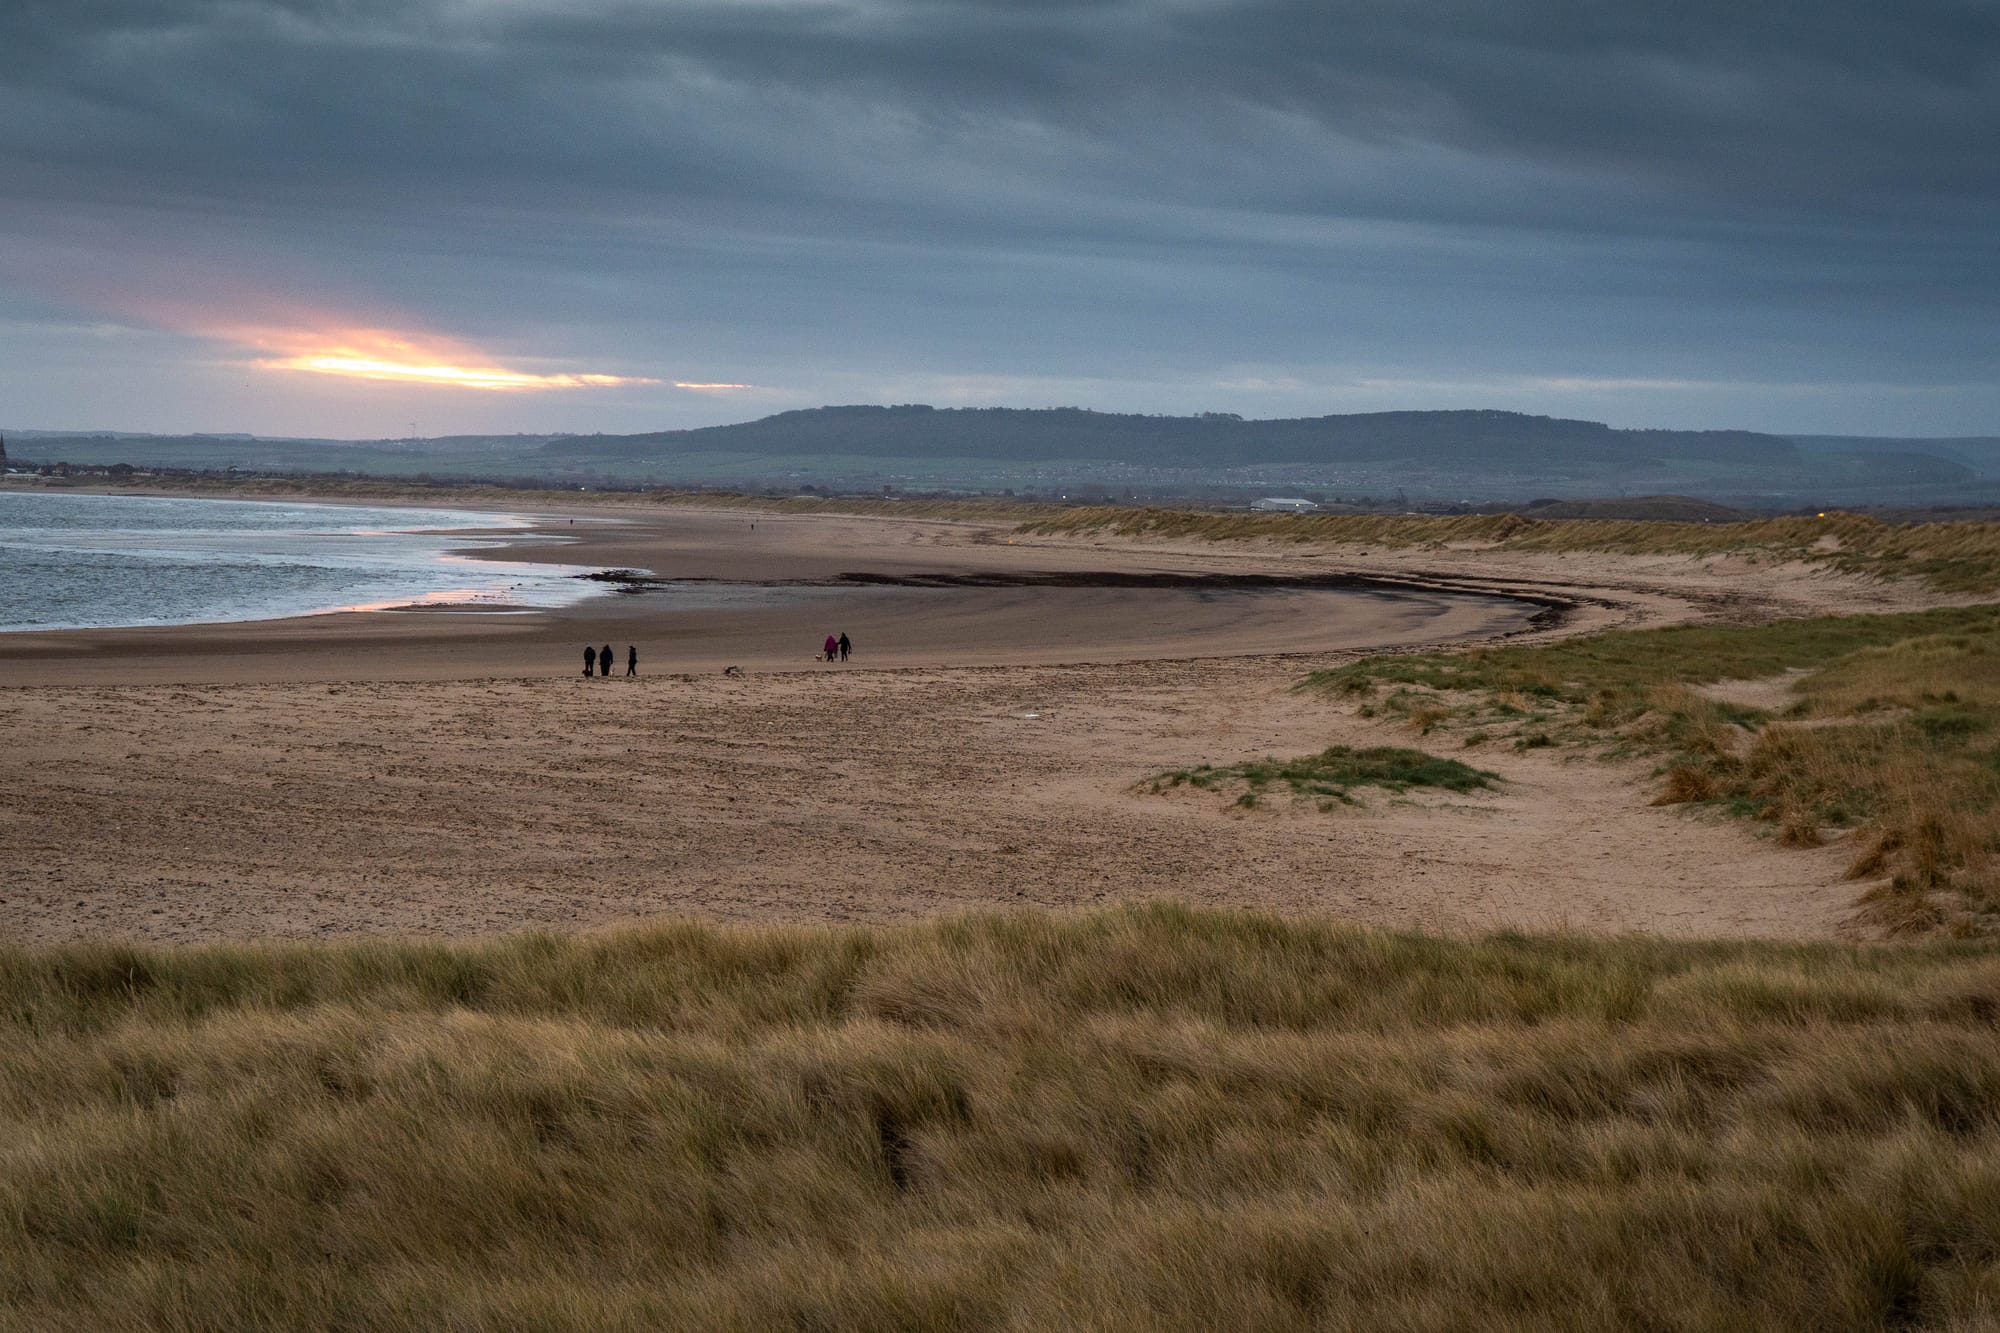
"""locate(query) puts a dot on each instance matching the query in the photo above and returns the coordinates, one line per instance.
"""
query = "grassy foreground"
(1146, 1118)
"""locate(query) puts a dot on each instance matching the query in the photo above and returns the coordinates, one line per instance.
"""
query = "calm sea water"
(94, 561)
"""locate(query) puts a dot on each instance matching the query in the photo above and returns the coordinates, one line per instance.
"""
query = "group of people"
(599, 661)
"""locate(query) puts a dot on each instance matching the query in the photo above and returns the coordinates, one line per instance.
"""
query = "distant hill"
(1375, 458)
(1478, 439)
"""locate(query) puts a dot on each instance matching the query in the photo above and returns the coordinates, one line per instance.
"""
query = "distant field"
(1151, 1117)
(1667, 508)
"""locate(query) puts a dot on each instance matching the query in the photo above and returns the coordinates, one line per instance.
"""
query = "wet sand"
(764, 599)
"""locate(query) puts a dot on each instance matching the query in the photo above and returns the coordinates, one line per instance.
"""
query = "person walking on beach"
(832, 647)
(604, 659)
(589, 659)
(844, 645)
(631, 659)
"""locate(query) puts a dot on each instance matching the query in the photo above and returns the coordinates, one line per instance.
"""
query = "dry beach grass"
(1147, 1117)
(1957, 557)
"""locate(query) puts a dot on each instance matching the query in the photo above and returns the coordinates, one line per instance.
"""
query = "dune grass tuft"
(1329, 776)
(1149, 1117)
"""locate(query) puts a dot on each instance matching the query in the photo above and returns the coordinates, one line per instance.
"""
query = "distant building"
(1279, 504)
(3, 453)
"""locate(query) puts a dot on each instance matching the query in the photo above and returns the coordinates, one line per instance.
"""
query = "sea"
(99, 561)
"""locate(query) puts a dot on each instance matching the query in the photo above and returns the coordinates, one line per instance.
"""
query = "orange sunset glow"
(464, 377)
(374, 355)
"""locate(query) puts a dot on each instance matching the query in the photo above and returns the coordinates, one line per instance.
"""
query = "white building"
(1278, 504)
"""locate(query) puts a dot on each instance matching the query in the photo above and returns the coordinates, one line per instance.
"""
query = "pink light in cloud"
(377, 354)
(345, 360)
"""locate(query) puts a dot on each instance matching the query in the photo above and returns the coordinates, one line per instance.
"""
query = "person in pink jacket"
(832, 647)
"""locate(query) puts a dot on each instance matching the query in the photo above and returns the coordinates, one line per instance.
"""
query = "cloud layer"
(1683, 215)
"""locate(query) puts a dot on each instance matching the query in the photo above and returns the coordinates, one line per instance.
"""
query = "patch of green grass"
(1330, 774)
(1616, 669)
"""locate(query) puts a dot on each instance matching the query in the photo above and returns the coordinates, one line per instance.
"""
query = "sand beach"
(452, 774)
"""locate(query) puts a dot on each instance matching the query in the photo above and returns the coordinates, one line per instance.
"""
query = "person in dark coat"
(589, 659)
(631, 659)
(604, 660)
(844, 645)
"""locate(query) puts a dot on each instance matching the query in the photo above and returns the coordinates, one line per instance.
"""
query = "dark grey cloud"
(1131, 189)
(1859, 106)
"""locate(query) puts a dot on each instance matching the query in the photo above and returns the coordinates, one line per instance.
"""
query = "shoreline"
(376, 566)
(758, 591)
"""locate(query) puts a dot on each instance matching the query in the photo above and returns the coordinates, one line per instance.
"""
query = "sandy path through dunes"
(464, 808)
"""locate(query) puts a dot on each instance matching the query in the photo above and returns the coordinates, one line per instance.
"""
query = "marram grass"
(1151, 1117)
(1959, 557)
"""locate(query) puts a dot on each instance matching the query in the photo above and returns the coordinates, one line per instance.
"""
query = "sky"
(369, 218)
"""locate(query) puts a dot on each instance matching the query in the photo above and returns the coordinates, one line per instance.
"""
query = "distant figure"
(589, 659)
(844, 645)
(631, 659)
(832, 647)
(605, 657)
